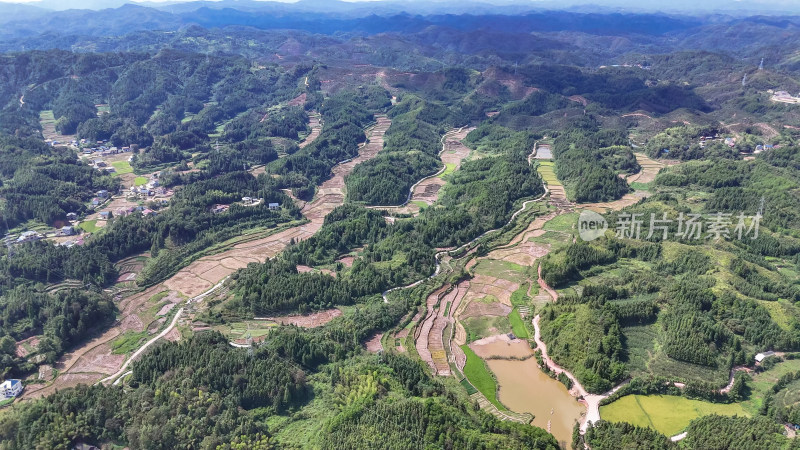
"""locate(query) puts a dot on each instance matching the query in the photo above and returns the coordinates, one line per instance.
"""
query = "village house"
(105, 215)
(762, 356)
(218, 209)
(72, 216)
(65, 231)
(96, 201)
(247, 200)
(274, 206)
(11, 388)
(102, 193)
(28, 236)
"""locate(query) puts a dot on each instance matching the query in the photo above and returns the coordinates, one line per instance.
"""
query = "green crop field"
(517, 325)
(139, 181)
(563, 223)
(546, 170)
(479, 375)
(666, 414)
(128, 342)
(122, 167)
(501, 269)
(553, 238)
(89, 226)
(520, 296)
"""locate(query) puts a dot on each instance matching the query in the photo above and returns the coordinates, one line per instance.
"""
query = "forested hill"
(202, 186)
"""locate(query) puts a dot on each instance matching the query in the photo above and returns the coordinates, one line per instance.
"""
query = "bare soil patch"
(32, 342)
(132, 323)
(315, 123)
(126, 277)
(45, 372)
(300, 100)
(480, 309)
(483, 285)
(173, 336)
(99, 360)
(347, 260)
(165, 309)
(373, 344)
(488, 348)
(64, 381)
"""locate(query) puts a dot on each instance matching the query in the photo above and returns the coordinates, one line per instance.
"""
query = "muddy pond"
(523, 387)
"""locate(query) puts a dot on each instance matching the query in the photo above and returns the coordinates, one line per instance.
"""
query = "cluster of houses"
(10, 389)
(252, 201)
(122, 212)
(246, 201)
(708, 139)
(32, 235)
(29, 236)
(731, 142)
(764, 147)
(101, 149)
(99, 197)
(151, 188)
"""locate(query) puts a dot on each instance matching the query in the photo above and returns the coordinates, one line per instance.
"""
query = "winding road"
(438, 255)
(143, 348)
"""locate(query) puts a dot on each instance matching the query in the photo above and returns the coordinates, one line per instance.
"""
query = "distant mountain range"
(24, 22)
(384, 7)
(508, 32)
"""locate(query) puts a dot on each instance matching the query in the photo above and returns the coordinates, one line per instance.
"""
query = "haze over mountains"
(611, 36)
(363, 7)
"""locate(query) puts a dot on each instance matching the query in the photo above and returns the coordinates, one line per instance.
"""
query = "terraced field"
(96, 359)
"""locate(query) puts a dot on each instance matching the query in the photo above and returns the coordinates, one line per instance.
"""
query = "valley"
(277, 225)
